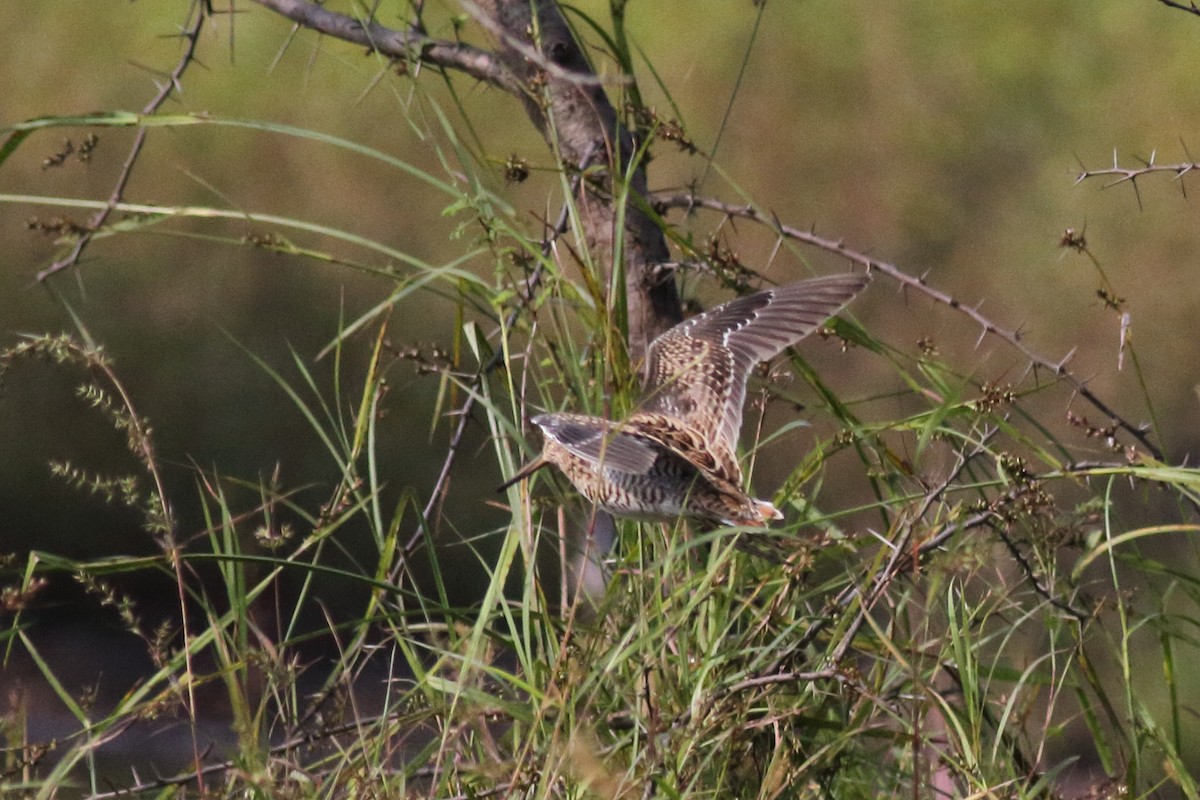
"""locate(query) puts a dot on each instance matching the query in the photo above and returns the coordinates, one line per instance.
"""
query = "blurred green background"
(944, 137)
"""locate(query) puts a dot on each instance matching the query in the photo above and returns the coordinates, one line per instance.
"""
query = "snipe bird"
(677, 454)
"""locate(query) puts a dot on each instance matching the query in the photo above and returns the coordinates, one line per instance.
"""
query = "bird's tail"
(767, 511)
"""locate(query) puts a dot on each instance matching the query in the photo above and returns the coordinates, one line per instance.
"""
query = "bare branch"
(1130, 175)
(1190, 7)
(191, 35)
(1031, 574)
(398, 44)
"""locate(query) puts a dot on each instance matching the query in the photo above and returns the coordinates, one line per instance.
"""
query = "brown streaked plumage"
(677, 455)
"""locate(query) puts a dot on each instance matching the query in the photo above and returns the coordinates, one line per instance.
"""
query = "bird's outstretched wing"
(696, 372)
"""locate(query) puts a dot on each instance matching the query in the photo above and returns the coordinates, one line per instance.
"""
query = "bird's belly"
(638, 509)
(655, 496)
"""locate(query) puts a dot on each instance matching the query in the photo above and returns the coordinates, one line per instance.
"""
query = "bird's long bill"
(524, 472)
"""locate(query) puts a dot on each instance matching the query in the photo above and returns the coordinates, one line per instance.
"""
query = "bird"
(676, 454)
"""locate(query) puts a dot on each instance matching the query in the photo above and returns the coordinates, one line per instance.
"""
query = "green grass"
(991, 608)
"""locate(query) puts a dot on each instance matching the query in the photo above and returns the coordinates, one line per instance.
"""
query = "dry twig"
(1190, 6)
(191, 36)
(1130, 175)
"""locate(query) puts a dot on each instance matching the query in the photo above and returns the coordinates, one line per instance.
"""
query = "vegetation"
(976, 591)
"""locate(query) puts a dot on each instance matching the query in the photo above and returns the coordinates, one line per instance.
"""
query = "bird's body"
(677, 454)
(649, 467)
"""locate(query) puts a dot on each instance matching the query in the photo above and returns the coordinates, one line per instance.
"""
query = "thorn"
(1061, 365)
(1126, 321)
(775, 249)
(1138, 193)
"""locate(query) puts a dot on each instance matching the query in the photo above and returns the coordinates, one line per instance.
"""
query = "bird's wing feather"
(696, 372)
(600, 445)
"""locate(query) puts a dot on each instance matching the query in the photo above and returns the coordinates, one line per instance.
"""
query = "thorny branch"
(1013, 338)
(1190, 6)
(402, 45)
(1039, 586)
(1131, 174)
(905, 555)
(191, 36)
